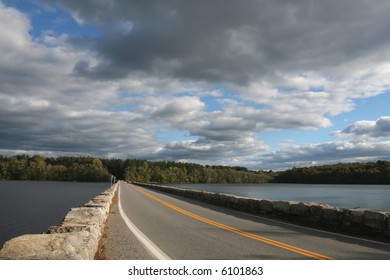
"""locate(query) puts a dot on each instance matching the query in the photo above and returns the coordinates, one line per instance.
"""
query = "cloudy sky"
(255, 83)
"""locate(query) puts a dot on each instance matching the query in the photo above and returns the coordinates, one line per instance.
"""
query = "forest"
(90, 169)
(341, 173)
(39, 168)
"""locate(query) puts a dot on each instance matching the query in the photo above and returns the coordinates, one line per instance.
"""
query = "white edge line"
(152, 248)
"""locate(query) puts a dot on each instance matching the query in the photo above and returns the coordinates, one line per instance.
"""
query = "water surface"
(32, 207)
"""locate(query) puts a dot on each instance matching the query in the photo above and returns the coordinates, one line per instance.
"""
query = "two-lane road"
(186, 229)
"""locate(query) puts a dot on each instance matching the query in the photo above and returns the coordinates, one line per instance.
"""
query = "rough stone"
(265, 206)
(85, 215)
(102, 199)
(104, 206)
(331, 215)
(233, 201)
(355, 215)
(387, 231)
(66, 228)
(64, 246)
(375, 219)
(251, 205)
(299, 209)
(281, 206)
(315, 210)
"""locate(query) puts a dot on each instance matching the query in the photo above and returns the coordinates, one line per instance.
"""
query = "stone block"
(60, 246)
(265, 206)
(281, 206)
(375, 219)
(65, 228)
(299, 209)
(355, 215)
(331, 215)
(102, 199)
(251, 205)
(105, 206)
(85, 215)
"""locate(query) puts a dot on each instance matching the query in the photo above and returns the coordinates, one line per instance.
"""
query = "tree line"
(24, 167)
(174, 172)
(341, 173)
(39, 168)
(90, 169)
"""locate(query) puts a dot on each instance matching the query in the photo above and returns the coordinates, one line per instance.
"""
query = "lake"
(347, 196)
(32, 207)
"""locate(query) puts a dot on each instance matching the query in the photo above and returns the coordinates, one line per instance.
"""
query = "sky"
(254, 83)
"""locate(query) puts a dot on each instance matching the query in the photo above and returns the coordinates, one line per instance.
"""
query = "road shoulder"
(118, 242)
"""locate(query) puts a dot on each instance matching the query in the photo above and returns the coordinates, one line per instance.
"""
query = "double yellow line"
(285, 246)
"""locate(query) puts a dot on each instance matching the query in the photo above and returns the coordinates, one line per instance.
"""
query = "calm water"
(32, 207)
(347, 196)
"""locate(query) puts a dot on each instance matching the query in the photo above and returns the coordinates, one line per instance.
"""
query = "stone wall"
(356, 221)
(76, 238)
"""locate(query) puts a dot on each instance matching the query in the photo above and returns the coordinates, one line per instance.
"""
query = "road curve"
(185, 229)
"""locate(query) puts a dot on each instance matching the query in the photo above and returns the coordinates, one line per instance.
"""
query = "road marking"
(312, 229)
(272, 242)
(152, 248)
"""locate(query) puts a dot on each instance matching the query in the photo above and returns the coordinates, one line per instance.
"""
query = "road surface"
(173, 227)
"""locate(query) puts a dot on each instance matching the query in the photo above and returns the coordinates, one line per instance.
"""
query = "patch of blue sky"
(172, 135)
(213, 103)
(122, 108)
(295, 137)
(366, 109)
(125, 94)
(317, 89)
(55, 19)
(216, 103)
(370, 109)
(285, 89)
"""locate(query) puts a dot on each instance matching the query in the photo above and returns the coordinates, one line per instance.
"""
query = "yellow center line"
(285, 246)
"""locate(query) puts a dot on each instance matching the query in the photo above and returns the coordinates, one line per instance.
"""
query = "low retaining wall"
(357, 221)
(76, 238)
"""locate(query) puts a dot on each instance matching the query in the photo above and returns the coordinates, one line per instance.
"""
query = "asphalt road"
(180, 228)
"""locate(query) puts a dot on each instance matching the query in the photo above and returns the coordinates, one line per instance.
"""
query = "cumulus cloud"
(269, 65)
(228, 41)
(311, 57)
(44, 108)
(289, 156)
(180, 109)
(377, 128)
(362, 141)
(212, 152)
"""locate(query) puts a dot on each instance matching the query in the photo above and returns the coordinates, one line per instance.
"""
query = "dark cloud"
(229, 41)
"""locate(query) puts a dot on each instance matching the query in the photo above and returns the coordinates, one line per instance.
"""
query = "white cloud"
(155, 69)
(377, 128)
(324, 153)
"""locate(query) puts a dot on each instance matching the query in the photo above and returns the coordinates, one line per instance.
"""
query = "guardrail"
(358, 221)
